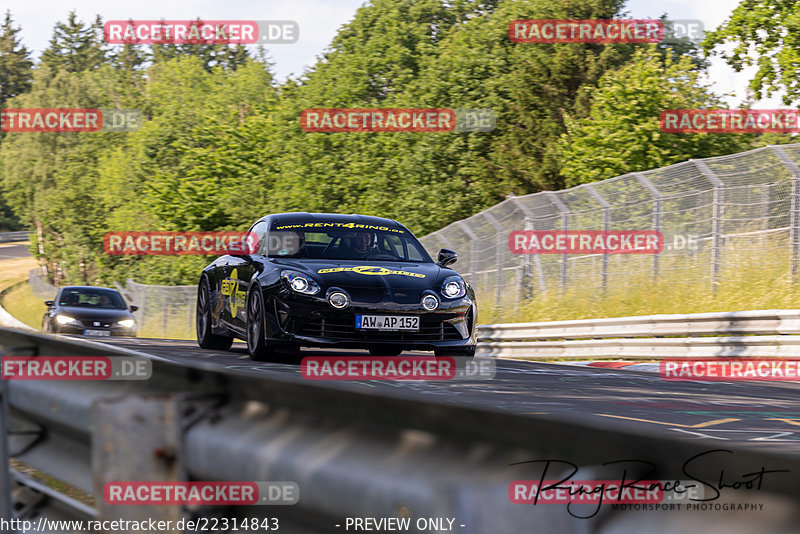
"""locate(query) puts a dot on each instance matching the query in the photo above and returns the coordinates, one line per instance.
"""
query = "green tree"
(15, 62)
(75, 46)
(766, 34)
(622, 132)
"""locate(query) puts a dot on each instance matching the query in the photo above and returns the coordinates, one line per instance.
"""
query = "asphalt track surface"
(763, 415)
(14, 251)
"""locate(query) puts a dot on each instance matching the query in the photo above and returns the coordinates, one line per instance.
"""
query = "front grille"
(345, 329)
(102, 324)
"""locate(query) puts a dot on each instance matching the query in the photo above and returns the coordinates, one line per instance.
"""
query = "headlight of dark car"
(65, 319)
(453, 287)
(126, 323)
(300, 283)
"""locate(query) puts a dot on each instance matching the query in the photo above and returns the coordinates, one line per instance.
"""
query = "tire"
(385, 350)
(205, 338)
(257, 345)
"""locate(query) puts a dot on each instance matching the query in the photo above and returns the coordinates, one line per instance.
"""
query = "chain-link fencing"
(713, 213)
(164, 311)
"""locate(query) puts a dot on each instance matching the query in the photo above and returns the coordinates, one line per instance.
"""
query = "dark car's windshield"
(92, 298)
(344, 241)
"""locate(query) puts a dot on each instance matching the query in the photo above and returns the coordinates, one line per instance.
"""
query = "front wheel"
(257, 345)
(205, 338)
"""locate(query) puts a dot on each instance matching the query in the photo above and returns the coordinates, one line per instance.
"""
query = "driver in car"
(362, 244)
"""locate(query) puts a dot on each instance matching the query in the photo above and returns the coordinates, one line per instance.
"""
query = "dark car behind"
(89, 311)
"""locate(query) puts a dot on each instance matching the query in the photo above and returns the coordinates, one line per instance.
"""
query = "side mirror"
(49, 303)
(446, 257)
(240, 248)
(134, 308)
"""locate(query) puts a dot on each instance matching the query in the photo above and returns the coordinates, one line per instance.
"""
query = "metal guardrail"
(6, 237)
(745, 333)
(352, 453)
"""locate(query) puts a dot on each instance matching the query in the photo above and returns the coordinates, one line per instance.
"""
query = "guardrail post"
(564, 226)
(155, 422)
(716, 221)
(5, 478)
(657, 216)
(606, 226)
(499, 257)
(794, 209)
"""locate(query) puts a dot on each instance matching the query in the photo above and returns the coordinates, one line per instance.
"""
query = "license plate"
(387, 322)
(98, 333)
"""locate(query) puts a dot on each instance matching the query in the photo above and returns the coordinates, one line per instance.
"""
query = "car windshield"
(344, 241)
(92, 298)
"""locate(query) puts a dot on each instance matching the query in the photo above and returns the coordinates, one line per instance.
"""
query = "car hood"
(376, 274)
(81, 313)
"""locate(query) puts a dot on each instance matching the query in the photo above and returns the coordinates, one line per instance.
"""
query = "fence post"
(564, 226)
(473, 258)
(499, 256)
(191, 314)
(716, 221)
(144, 307)
(657, 216)
(527, 283)
(606, 223)
(794, 214)
(163, 311)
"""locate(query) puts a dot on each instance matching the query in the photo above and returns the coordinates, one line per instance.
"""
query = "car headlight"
(64, 319)
(126, 323)
(338, 300)
(454, 287)
(430, 302)
(301, 283)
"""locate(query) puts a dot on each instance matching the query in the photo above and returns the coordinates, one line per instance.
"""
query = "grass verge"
(753, 284)
(20, 302)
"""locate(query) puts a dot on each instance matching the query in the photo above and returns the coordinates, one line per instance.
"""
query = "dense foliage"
(222, 143)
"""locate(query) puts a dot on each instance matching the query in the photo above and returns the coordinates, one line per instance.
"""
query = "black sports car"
(89, 311)
(348, 281)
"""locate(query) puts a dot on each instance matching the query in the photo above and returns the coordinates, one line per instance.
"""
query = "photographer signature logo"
(626, 489)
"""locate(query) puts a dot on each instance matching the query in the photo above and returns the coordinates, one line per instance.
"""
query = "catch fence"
(715, 215)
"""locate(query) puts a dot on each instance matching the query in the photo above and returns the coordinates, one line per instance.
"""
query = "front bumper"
(313, 322)
(78, 330)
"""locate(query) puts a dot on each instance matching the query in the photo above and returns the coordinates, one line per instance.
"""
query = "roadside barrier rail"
(352, 451)
(744, 333)
(6, 237)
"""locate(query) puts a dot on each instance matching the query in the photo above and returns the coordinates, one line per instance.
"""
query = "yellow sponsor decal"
(369, 270)
(230, 288)
(340, 225)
